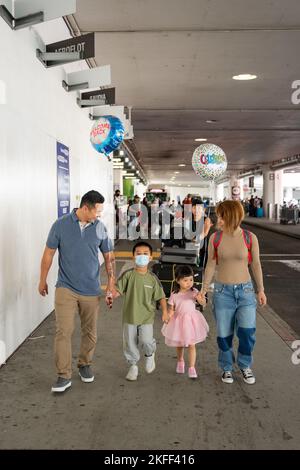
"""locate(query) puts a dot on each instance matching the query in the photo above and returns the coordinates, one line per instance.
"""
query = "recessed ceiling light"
(176, 172)
(200, 139)
(244, 76)
(182, 164)
(211, 121)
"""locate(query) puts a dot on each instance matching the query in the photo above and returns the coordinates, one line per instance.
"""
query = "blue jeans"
(234, 308)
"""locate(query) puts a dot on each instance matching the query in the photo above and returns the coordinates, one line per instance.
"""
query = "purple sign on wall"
(63, 179)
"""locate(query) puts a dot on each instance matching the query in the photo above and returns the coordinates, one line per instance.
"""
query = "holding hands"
(167, 315)
(200, 297)
(110, 296)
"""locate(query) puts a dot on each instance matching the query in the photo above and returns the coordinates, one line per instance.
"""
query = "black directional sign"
(84, 44)
(108, 95)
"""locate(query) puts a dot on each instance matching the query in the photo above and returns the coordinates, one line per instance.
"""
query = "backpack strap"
(248, 242)
(216, 242)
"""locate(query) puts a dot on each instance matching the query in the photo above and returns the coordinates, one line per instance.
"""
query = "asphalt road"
(280, 257)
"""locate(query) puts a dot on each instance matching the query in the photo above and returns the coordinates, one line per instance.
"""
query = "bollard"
(270, 210)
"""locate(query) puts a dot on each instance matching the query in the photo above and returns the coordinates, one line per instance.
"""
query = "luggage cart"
(289, 214)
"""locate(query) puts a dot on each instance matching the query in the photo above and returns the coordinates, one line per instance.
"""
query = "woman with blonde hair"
(230, 253)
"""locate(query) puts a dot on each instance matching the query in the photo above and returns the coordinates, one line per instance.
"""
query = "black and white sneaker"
(61, 385)
(227, 377)
(86, 374)
(248, 376)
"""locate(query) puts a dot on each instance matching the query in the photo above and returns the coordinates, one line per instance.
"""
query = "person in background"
(187, 199)
(197, 227)
(251, 207)
(117, 201)
(134, 211)
(256, 205)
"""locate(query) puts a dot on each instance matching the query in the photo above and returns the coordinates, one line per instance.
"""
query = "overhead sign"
(24, 13)
(63, 179)
(84, 44)
(81, 47)
(108, 95)
(90, 78)
(51, 10)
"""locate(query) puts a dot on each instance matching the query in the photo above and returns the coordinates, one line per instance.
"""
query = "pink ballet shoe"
(180, 367)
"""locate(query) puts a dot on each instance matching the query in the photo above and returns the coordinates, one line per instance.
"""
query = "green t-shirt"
(141, 291)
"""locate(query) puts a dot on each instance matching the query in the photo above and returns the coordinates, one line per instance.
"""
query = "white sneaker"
(132, 373)
(150, 363)
(227, 377)
(248, 376)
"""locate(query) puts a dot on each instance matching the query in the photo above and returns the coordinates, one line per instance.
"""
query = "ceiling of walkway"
(173, 62)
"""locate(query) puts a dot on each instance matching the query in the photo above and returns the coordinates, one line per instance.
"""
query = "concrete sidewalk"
(274, 226)
(159, 411)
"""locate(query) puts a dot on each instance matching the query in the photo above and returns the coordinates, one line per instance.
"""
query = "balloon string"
(211, 186)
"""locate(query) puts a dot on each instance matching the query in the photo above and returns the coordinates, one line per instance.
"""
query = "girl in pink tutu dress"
(186, 326)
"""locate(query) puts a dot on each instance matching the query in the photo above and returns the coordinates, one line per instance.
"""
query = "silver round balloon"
(209, 162)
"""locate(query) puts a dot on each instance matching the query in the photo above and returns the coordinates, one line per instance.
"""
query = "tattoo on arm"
(110, 265)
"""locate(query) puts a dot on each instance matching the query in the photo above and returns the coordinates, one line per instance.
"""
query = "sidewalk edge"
(283, 329)
(271, 229)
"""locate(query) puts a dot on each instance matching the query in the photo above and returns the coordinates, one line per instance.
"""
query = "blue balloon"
(107, 134)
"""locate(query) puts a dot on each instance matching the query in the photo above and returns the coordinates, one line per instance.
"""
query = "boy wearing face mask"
(141, 290)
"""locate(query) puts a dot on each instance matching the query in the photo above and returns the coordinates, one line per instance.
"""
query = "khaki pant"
(67, 304)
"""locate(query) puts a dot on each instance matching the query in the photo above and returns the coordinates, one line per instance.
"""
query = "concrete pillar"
(272, 190)
(235, 188)
(118, 180)
(227, 190)
(268, 191)
(278, 192)
(219, 192)
(288, 194)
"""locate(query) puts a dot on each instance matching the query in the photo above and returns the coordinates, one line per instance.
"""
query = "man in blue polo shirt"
(78, 237)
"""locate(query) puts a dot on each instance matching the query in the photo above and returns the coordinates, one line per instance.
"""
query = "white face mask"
(142, 260)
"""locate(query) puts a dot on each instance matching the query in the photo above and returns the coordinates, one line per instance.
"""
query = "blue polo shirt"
(79, 268)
